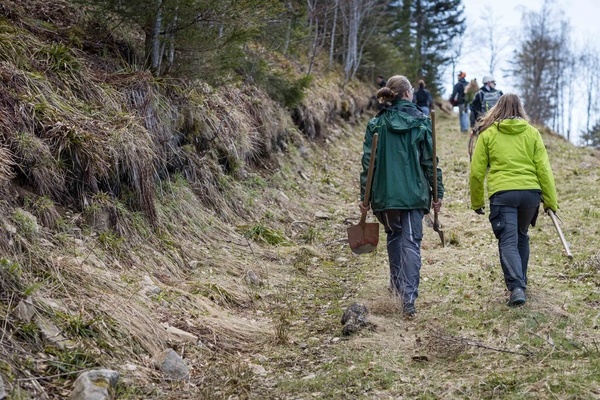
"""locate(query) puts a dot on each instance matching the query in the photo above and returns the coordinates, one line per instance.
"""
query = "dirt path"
(464, 343)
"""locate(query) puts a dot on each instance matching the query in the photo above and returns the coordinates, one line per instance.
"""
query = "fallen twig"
(345, 240)
(448, 343)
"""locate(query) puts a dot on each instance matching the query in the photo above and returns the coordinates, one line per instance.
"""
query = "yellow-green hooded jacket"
(517, 160)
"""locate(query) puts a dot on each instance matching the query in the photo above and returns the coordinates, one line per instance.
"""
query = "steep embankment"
(140, 215)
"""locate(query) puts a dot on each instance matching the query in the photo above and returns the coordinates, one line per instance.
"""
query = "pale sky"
(583, 15)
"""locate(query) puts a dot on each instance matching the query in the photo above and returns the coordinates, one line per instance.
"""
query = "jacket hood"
(512, 126)
(407, 118)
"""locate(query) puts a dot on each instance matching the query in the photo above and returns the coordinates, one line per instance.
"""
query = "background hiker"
(402, 182)
(457, 98)
(423, 98)
(519, 177)
(484, 99)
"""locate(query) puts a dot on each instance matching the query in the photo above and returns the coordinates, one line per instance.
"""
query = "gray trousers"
(404, 229)
(511, 213)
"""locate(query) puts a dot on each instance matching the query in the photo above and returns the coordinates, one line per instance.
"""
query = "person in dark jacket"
(483, 101)
(423, 98)
(402, 183)
(458, 99)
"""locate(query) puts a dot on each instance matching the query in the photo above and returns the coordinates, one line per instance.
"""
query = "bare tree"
(355, 15)
(538, 62)
(589, 67)
(493, 39)
(333, 31)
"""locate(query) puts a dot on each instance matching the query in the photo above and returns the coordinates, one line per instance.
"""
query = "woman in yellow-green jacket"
(512, 154)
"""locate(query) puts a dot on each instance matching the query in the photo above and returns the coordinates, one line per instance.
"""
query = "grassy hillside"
(132, 206)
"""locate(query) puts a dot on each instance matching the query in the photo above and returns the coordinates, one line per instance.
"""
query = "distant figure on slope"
(402, 183)
(457, 99)
(512, 154)
(483, 101)
(423, 98)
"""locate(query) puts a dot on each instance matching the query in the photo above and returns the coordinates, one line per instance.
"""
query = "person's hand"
(480, 211)
(548, 209)
(363, 209)
(437, 205)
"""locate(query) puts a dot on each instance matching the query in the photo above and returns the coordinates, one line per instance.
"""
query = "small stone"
(99, 384)
(252, 278)
(25, 310)
(153, 290)
(172, 365)
(183, 335)
(262, 359)
(322, 215)
(257, 369)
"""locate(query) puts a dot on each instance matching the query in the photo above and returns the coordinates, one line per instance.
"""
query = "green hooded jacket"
(515, 154)
(403, 175)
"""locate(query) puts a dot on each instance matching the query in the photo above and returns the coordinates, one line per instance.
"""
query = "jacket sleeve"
(544, 174)
(479, 165)
(454, 91)
(366, 157)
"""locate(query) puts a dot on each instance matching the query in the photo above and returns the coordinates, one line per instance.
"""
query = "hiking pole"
(436, 222)
(560, 233)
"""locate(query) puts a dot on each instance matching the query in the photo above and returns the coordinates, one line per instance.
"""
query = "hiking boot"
(409, 311)
(517, 297)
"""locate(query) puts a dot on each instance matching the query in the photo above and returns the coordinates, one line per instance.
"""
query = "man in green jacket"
(512, 154)
(402, 183)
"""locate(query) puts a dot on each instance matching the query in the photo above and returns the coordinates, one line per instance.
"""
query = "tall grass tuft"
(6, 164)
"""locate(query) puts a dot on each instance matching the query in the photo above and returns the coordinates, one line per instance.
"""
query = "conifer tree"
(423, 31)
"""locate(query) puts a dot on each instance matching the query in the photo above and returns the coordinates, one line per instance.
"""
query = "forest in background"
(418, 38)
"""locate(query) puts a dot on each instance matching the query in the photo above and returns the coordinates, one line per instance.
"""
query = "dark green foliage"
(279, 85)
(290, 93)
(592, 136)
(423, 32)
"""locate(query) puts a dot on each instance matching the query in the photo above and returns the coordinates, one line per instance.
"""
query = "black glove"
(480, 211)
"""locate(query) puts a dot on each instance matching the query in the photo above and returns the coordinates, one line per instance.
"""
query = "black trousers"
(511, 213)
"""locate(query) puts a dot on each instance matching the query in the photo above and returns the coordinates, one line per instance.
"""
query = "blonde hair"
(395, 88)
(508, 106)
